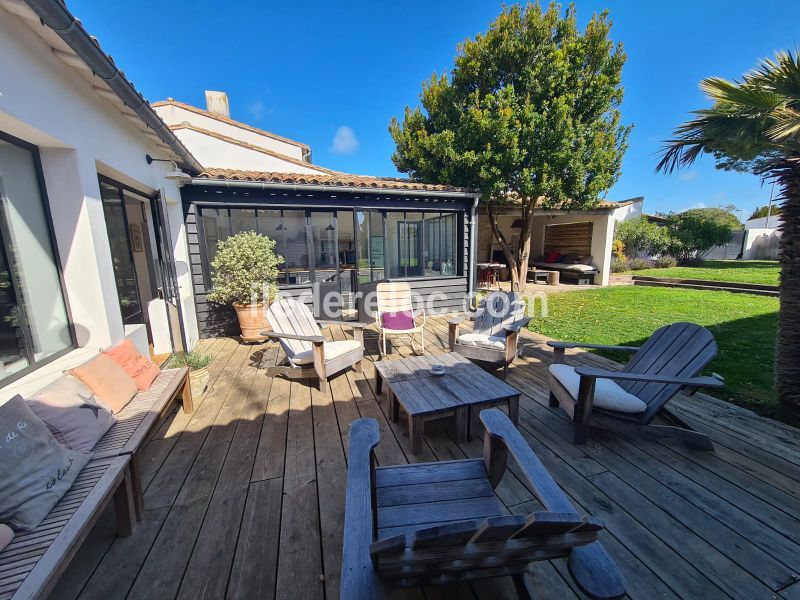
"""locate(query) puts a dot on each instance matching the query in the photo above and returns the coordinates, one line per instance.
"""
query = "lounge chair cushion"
(332, 350)
(73, 414)
(394, 321)
(35, 470)
(482, 340)
(6, 535)
(607, 394)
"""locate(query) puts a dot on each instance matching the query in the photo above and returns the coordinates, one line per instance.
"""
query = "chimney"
(217, 103)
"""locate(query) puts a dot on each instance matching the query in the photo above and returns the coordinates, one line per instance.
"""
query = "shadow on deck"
(245, 497)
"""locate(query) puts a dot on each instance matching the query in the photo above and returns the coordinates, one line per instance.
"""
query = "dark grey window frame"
(37, 162)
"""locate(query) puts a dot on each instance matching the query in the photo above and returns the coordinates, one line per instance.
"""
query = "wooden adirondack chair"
(628, 400)
(493, 340)
(435, 523)
(308, 354)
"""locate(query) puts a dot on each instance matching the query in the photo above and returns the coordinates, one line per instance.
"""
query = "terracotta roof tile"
(332, 179)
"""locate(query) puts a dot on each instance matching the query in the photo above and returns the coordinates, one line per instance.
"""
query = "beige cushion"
(75, 416)
(35, 470)
(107, 380)
(607, 394)
(332, 350)
(482, 340)
(6, 535)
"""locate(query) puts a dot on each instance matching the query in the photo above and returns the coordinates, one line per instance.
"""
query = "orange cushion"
(107, 380)
(141, 370)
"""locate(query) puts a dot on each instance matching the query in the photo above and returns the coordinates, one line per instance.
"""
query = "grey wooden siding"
(216, 320)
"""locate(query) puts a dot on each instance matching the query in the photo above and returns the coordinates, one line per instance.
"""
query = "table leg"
(462, 425)
(416, 429)
(474, 421)
(513, 410)
(378, 383)
(394, 406)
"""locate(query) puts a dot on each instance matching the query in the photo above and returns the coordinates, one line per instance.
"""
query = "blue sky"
(332, 74)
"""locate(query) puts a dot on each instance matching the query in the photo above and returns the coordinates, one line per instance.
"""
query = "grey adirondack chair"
(436, 523)
(494, 335)
(627, 401)
(308, 354)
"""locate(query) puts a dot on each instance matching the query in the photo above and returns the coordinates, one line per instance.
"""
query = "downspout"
(54, 14)
(473, 244)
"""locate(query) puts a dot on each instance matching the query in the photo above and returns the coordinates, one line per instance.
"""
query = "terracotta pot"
(252, 321)
(198, 381)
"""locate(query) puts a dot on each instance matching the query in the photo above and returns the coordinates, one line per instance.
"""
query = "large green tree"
(754, 125)
(528, 115)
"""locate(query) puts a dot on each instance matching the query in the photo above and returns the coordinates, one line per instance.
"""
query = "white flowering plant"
(245, 270)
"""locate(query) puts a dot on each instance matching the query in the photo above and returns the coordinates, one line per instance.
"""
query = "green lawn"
(739, 271)
(744, 326)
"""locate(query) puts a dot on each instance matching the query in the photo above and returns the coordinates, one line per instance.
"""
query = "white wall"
(213, 152)
(78, 133)
(173, 115)
(774, 222)
(761, 244)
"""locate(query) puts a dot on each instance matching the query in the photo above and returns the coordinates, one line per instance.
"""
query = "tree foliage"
(244, 269)
(763, 211)
(641, 238)
(692, 233)
(528, 115)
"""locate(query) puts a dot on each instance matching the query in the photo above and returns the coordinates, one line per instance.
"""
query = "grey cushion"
(75, 416)
(35, 470)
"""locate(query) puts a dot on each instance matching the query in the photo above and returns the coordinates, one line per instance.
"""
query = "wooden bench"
(32, 563)
(137, 421)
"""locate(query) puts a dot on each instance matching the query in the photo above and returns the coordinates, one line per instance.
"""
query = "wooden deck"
(245, 498)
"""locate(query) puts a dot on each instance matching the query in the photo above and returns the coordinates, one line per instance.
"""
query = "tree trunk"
(787, 365)
(517, 268)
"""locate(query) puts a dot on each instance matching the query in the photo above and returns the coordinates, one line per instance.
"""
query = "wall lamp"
(176, 175)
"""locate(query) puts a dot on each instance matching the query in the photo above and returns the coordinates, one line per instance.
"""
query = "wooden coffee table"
(462, 391)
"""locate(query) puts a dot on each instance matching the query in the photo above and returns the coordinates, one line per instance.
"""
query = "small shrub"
(619, 265)
(664, 262)
(637, 264)
(245, 269)
(194, 360)
(618, 249)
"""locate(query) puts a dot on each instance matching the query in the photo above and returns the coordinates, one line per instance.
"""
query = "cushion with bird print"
(73, 414)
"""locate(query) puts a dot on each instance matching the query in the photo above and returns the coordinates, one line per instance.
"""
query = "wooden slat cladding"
(569, 238)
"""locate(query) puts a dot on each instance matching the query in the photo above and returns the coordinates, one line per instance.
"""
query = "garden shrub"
(619, 265)
(638, 264)
(245, 269)
(642, 238)
(665, 262)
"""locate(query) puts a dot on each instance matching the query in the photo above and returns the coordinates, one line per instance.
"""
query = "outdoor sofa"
(571, 267)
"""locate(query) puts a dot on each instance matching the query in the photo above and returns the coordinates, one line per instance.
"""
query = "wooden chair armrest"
(316, 339)
(456, 320)
(590, 566)
(359, 578)
(568, 345)
(595, 373)
(350, 324)
(502, 437)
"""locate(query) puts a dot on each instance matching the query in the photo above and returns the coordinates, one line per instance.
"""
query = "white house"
(91, 233)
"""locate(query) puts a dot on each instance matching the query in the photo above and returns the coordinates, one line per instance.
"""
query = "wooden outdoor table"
(462, 391)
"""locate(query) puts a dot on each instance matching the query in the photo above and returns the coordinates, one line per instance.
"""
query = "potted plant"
(198, 369)
(244, 274)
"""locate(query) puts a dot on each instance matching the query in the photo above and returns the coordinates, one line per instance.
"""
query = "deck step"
(719, 286)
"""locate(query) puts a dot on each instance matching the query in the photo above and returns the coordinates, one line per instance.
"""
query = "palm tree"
(754, 125)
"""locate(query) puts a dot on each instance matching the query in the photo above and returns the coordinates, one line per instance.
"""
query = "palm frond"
(781, 75)
(786, 125)
(740, 97)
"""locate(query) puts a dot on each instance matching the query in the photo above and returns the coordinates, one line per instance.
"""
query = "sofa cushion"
(107, 380)
(142, 370)
(552, 256)
(35, 470)
(482, 340)
(73, 414)
(607, 394)
(332, 350)
(579, 267)
(6, 535)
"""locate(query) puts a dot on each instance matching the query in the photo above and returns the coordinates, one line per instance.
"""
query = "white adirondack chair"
(308, 354)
